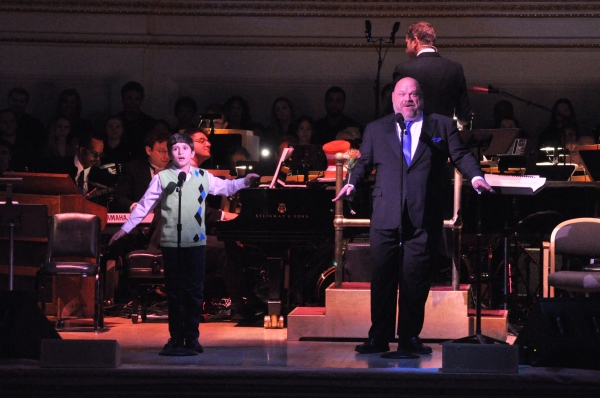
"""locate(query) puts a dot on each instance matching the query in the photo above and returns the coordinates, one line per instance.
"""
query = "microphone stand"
(493, 90)
(179, 352)
(379, 42)
(10, 218)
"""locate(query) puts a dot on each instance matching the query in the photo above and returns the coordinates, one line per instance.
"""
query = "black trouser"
(184, 284)
(412, 274)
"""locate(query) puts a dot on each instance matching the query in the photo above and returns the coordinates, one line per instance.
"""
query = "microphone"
(107, 166)
(400, 121)
(394, 31)
(180, 180)
(368, 30)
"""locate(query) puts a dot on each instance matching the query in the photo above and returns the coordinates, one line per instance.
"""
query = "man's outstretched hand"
(346, 192)
(249, 179)
(481, 185)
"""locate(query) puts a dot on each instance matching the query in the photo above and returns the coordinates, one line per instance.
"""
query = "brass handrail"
(340, 222)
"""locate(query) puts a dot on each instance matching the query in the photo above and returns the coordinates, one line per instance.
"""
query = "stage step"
(347, 315)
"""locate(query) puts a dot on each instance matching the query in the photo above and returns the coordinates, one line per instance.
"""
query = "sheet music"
(287, 152)
(527, 181)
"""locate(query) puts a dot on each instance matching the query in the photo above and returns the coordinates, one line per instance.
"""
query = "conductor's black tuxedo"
(419, 185)
(442, 81)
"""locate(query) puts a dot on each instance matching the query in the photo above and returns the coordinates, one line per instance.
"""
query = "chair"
(576, 237)
(74, 235)
(143, 269)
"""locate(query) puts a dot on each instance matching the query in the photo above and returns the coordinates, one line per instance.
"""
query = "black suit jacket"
(131, 185)
(423, 180)
(443, 83)
(98, 176)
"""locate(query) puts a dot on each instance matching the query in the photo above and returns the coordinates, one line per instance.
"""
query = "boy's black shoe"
(193, 345)
(175, 348)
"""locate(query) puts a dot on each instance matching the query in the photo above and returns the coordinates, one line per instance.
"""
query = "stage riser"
(347, 315)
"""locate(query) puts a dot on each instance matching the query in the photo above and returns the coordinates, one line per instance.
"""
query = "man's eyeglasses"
(94, 154)
(201, 140)
(161, 151)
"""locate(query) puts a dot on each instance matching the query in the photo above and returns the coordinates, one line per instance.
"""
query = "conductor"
(408, 149)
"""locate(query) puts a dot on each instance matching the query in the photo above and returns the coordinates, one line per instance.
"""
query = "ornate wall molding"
(318, 9)
(512, 44)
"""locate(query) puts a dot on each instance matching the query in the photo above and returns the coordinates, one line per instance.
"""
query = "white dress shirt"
(152, 196)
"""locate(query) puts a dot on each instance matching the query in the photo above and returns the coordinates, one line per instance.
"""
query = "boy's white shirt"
(151, 198)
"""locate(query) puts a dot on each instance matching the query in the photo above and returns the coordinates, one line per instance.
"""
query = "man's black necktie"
(80, 181)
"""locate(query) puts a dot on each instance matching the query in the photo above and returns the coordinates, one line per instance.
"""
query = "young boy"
(184, 276)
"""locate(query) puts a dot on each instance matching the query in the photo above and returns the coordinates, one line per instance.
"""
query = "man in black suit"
(442, 81)
(137, 174)
(334, 121)
(136, 124)
(92, 181)
(407, 219)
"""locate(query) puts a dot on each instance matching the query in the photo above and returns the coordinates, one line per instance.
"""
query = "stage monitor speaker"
(22, 326)
(562, 332)
(80, 354)
(357, 262)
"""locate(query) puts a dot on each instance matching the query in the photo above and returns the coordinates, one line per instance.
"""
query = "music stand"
(555, 172)
(478, 350)
(489, 142)
(243, 167)
(591, 163)
(24, 221)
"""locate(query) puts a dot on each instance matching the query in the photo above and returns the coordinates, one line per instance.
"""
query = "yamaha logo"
(281, 208)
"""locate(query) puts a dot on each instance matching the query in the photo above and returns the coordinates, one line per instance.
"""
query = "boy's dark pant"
(184, 284)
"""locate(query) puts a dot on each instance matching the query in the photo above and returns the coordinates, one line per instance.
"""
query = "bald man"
(409, 149)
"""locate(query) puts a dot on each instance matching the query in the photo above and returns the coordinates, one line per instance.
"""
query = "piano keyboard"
(120, 218)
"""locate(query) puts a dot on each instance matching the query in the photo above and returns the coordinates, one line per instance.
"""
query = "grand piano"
(276, 220)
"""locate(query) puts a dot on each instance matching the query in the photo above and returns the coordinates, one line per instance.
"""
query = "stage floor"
(253, 361)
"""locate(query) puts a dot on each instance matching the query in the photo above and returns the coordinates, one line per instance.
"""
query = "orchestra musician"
(136, 175)
(407, 218)
(84, 169)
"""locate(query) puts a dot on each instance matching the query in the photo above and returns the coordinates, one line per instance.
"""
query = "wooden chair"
(143, 269)
(74, 235)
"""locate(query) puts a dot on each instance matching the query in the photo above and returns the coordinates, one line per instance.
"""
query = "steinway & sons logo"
(282, 210)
